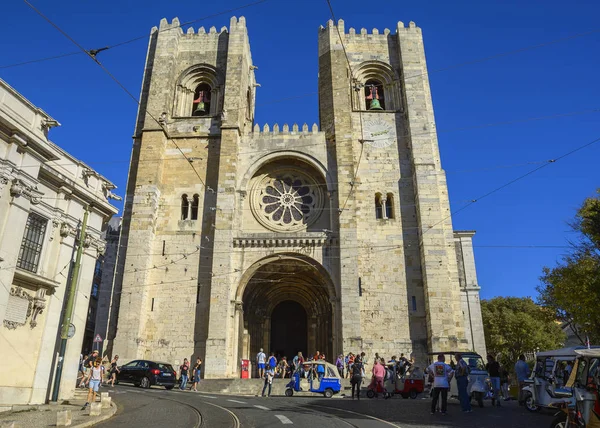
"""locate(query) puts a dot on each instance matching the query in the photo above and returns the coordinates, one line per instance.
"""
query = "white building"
(43, 195)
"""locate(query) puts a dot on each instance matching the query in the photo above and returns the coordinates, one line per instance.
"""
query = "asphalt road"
(157, 407)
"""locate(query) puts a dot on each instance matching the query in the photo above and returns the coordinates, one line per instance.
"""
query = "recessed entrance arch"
(288, 306)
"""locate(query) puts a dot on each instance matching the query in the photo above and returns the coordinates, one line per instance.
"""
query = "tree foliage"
(515, 326)
(571, 290)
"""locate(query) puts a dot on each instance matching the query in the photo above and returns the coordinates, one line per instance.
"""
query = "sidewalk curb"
(110, 414)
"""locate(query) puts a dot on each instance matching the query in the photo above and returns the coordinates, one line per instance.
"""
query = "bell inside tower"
(201, 104)
(374, 97)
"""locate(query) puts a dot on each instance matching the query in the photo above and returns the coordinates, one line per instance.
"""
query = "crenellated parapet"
(235, 24)
(285, 129)
(364, 32)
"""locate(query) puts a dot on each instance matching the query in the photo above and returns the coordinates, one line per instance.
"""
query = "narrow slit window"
(152, 305)
(195, 202)
(414, 303)
(389, 206)
(201, 103)
(374, 95)
(185, 207)
(378, 206)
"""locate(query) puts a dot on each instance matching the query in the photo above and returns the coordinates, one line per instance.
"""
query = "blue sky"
(98, 118)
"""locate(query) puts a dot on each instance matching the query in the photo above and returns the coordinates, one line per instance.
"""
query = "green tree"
(515, 325)
(571, 290)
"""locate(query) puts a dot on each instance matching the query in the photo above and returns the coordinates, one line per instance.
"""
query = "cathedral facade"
(290, 238)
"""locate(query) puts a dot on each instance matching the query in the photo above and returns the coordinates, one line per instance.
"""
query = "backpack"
(272, 361)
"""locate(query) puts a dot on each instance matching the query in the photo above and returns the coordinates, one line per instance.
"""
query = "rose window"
(289, 201)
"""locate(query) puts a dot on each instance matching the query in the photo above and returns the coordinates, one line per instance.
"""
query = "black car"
(146, 373)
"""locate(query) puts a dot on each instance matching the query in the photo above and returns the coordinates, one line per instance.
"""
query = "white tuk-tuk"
(546, 386)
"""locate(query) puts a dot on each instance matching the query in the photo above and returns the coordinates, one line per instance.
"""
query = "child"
(95, 377)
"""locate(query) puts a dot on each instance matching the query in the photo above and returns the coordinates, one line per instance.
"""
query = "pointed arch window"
(378, 206)
(195, 203)
(389, 206)
(185, 207)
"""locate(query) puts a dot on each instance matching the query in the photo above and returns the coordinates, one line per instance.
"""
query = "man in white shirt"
(261, 359)
(442, 374)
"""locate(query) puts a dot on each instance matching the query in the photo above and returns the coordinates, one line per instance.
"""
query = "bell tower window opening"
(195, 202)
(374, 95)
(389, 206)
(378, 206)
(201, 102)
(185, 207)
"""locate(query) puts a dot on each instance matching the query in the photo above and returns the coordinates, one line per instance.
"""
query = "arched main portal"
(287, 307)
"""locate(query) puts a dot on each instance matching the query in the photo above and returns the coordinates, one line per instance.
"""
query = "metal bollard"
(63, 418)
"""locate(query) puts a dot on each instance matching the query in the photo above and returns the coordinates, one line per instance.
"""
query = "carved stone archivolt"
(18, 188)
(22, 306)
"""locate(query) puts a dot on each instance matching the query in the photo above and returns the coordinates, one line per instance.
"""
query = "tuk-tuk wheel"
(413, 394)
(328, 393)
(370, 393)
(530, 404)
(560, 421)
(289, 392)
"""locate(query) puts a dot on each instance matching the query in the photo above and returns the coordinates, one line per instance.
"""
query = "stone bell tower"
(197, 99)
(398, 263)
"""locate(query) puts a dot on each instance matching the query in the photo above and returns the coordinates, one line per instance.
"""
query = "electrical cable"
(93, 57)
(360, 117)
(145, 36)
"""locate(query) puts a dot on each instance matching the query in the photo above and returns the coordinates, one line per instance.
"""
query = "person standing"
(114, 369)
(522, 371)
(196, 373)
(442, 375)
(356, 377)
(87, 366)
(493, 368)
(351, 358)
(261, 359)
(378, 375)
(504, 382)
(94, 377)
(183, 373)
(339, 363)
(462, 380)
(272, 361)
(269, 375)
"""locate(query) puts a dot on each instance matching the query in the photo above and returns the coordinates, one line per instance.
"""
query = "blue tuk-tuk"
(309, 377)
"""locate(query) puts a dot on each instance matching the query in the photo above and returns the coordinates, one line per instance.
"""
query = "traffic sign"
(71, 331)
(97, 339)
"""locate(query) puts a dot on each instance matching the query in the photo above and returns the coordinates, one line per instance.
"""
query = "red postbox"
(245, 372)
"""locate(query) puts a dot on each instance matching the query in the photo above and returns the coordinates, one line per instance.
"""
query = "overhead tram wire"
(93, 57)
(360, 118)
(145, 36)
(497, 189)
